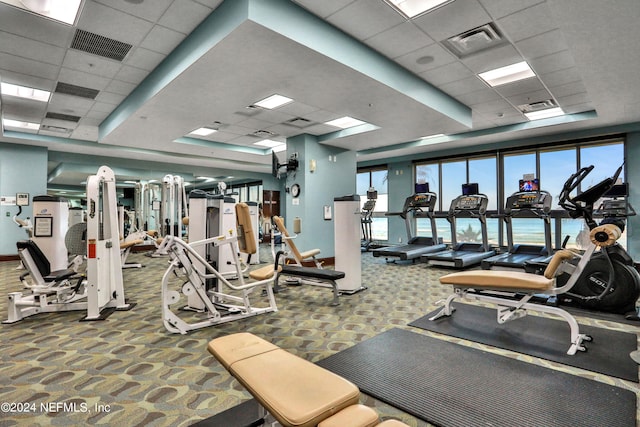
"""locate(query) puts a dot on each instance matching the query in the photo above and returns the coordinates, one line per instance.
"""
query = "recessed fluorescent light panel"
(24, 92)
(544, 114)
(274, 101)
(413, 8)
(277, 146)
(59, 10)
(508, 74)
(345, 122)
(20, 125)
(203, 132)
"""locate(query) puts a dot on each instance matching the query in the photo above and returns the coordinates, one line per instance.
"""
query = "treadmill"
(464, 254)
(517, 255)
(418, 205)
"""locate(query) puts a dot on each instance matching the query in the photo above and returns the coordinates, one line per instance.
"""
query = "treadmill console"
(421, 200)
(476, 203)
(540, 201)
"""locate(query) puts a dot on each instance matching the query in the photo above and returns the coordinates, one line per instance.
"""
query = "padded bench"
(315, 274)
(296, 392)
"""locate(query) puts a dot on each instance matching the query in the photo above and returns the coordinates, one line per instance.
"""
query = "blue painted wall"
(23, 169)
(331, 179)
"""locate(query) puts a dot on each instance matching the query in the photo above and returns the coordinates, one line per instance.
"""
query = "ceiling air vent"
(476, 40)
(537, 106)
(299, 122)
(100, 45)
(57, 129)
(60, 116)
(263, 134)
(83, 92)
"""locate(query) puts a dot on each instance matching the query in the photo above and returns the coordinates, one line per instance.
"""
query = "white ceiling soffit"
(394, 73)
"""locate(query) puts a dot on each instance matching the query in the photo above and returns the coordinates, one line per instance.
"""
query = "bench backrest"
(246, 236)
(294, 249)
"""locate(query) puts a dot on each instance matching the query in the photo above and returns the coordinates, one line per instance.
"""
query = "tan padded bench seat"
(296, 392)
(498, 280)
(263, 273)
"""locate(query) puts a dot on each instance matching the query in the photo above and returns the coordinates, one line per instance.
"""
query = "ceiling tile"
(184, 15)
(468, 85)
(143, 58)
(495, 106)
(529, 97)
(499, 8)
(29, 67)
(22, 23)
(531, 84)
(210, 3)
(80, 78)
(364, 18)
(452, 19)
(21, 46)
(323, 8)
(26, 80)
(587, 106)
(131, 74)
(162, 40)
(120, 87)
(440, 57)
(560, 77)
(484, 95)
(99, 19)
(447, 73)
(150, 10)
(568, 89)
(297, 109)
(543, 44)
(23, 109)
(86, 133)
(102, 107)
(110, 98)
(555, 61)
(68, 104)
(92, 64)
(576, 98)
(528, 22)
(399, 40)
(492, 58)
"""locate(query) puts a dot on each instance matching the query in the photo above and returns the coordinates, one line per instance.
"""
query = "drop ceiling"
(400, 75)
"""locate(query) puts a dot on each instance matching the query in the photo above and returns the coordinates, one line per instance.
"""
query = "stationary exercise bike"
(610, 281)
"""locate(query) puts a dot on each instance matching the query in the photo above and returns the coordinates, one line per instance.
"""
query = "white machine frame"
(102, 288)
(187, 262)
(513, 303)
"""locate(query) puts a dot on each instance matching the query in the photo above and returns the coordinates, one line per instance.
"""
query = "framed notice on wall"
(43, 226)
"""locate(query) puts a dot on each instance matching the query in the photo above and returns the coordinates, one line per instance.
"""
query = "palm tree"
(469, 235)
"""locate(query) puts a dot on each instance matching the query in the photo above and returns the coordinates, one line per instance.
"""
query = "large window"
(376, 179)
(498, 176)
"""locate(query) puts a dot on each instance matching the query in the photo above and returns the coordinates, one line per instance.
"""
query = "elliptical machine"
(366, 219)
(610, 281)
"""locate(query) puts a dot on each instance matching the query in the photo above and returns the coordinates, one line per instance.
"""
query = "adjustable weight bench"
(315, 274)
(296, 392)
(511, 291)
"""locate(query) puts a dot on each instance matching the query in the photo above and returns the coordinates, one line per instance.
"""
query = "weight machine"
(101, 290)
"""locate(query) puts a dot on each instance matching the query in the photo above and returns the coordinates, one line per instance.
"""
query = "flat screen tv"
(526, 185)
(275, 165)
(618, 190)
(470, 188)
(422, 187)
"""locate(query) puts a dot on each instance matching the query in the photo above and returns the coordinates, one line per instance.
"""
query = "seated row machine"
(296, 392)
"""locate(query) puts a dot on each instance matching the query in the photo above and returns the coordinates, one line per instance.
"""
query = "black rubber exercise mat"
(541, 337)
(451, 385)
(242, 415)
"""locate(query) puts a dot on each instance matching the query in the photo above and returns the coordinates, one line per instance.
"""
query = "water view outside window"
(552, 166)
(378, 180)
